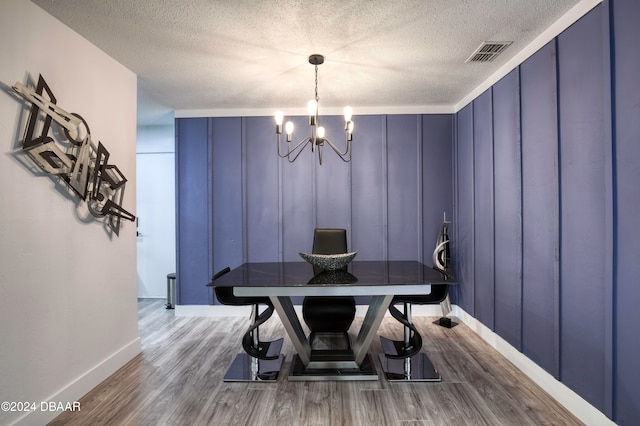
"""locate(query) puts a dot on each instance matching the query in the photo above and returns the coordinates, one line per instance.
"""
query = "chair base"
(245, 368)
(417, 368)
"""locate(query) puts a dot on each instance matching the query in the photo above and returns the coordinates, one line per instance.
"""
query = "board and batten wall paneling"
(261, 188)
(627, 210)
(404, 184)
(227, 193)
(437, 184)
(540, 210)
(484, 243)
(463, 253)
(369, 189)
(193, 211)
(585, 196)
(508, 208)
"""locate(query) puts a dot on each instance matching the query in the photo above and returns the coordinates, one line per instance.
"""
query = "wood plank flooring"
(177, 380)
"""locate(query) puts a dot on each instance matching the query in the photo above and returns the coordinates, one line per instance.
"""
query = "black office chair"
(328, 314)
(402, 360)
(262, 360)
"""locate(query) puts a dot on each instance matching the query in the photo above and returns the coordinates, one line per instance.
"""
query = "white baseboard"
(83, 384)
(573, 402)
(211, 311)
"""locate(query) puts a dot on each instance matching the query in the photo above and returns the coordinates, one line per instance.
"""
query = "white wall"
(67, 290)
(155, 202)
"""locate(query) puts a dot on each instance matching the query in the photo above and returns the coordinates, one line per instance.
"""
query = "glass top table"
(382, 280)
(362, 278)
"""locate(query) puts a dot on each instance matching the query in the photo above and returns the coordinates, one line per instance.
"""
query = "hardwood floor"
(177, 380)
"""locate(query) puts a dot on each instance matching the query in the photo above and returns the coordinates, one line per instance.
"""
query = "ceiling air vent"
(488, 51)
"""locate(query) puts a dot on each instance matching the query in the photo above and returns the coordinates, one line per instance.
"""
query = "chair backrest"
(329, 241)
(226, 297)
(438, 294)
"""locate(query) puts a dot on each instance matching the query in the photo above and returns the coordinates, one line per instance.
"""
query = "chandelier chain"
(317, 99)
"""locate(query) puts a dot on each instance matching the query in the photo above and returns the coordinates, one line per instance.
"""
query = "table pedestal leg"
(339, 364)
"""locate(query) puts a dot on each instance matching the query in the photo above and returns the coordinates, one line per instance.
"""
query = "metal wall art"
(73, 157)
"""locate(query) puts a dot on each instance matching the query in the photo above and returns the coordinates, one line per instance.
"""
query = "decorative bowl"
(329, 262)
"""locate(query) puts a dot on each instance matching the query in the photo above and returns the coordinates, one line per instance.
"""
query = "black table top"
(361, 277)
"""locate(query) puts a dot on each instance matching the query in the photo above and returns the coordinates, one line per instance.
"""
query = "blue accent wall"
(463, 243)
(404, 168)
(227, 193)
(369, 197)
(239, 202)
(625, 16)
(483, 221)
(507, 198)
(540, 210)
(193, 212)
(585, 207)
(547, 168)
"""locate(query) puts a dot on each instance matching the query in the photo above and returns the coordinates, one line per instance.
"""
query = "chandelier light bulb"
(312, 107)
(279, 118)
(321, 132)
(288, 127)
(348, 111)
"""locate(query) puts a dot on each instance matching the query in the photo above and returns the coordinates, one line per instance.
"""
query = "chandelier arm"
(278, 147)
(291, 151)
(302, 143)
(337, 151)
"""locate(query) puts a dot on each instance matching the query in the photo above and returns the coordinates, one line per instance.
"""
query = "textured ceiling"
(251, 54)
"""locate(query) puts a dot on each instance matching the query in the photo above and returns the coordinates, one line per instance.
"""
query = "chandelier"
(317, 138)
